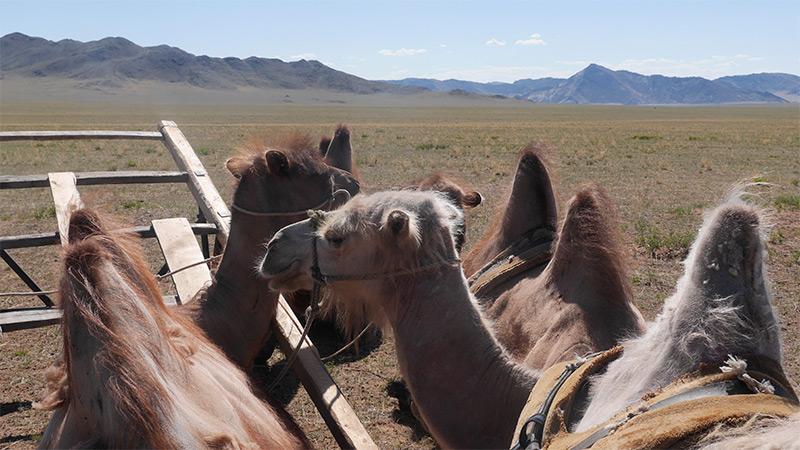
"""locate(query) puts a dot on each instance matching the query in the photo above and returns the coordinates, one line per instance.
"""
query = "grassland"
(663, 166)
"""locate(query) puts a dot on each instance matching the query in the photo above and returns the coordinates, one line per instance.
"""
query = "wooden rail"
(29, 318)
(64, 135)
(95, 178)
(51, 238)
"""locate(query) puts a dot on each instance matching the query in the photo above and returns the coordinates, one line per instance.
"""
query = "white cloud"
(300, 56)
(403, 52)
(495, 41)
(443, 45)
(535, 39)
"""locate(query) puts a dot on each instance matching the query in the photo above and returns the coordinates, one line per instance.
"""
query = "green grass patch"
(48, 212)
(788, 201)
(20, 353)
(204, 151)
(645, 137)
(431, 146)
(662, 245)
(132, 204)
(759, 179)
(776, 237)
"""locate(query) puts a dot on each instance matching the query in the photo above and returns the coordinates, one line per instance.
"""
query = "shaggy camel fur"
(579, 302)
(135, 373)
(465, 386)
(285, 176)
(721, 306)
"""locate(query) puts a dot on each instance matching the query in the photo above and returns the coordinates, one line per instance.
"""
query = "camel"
(276, 183)
(578, 301)
(391, 257)
(134, 372)
(716, 339)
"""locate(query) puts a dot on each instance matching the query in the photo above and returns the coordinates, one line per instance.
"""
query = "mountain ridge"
(111, 63)
(596, 84)
(114, 60)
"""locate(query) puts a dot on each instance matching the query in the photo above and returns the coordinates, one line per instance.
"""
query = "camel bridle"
(324, 204)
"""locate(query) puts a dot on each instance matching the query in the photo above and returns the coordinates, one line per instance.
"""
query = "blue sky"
(482, 41)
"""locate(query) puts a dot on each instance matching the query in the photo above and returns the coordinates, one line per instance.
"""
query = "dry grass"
(663, 167)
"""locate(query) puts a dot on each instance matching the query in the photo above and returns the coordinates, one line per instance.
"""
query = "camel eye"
(335, 241)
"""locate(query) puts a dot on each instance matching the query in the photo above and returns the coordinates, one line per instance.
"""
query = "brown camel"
(135, 373)
(277, 183)
(578, 301)
(391, 257)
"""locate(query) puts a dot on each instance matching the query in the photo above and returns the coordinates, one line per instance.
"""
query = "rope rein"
(325, 204)
(157, 277)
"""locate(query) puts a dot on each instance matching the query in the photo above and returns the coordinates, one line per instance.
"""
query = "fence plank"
(26, 319)
(66, 200)
(64, 135)
(205, 193)
(180, 250)
(343, 422)
(95, 178)
(51, 238)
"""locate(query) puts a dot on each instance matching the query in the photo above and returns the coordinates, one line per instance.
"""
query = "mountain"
(493, 88)
(114, 61)
(781, 84)
(114, 64)
(600, 85)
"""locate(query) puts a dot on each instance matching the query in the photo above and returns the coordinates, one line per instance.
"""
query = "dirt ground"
(663, 166)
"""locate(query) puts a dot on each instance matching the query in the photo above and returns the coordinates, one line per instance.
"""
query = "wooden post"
(65, 199)
(180, 249)
(343, 422)
(203, 189)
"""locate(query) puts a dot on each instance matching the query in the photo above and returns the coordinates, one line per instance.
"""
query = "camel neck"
(238, 307)
(469, 392)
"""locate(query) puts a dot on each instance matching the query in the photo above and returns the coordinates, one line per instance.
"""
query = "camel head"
(461, 196)
(378, 237)
(291, 175)
(721, 307)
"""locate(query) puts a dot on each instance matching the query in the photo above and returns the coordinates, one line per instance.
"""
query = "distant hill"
(114, 61)
(781, 84)
(600, 85)
(113, 64)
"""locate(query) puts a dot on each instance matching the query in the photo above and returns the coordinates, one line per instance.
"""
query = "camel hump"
(532, 203)
(589, 252)
(339, 153)
(83, 223)
(727, 258)
(324, 143)
(725, 271)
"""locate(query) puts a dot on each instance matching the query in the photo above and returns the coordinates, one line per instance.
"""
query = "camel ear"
(398, 223)
(277, 162)
(472, 199)
(324, 143)
(339, 153)
(237, 166)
